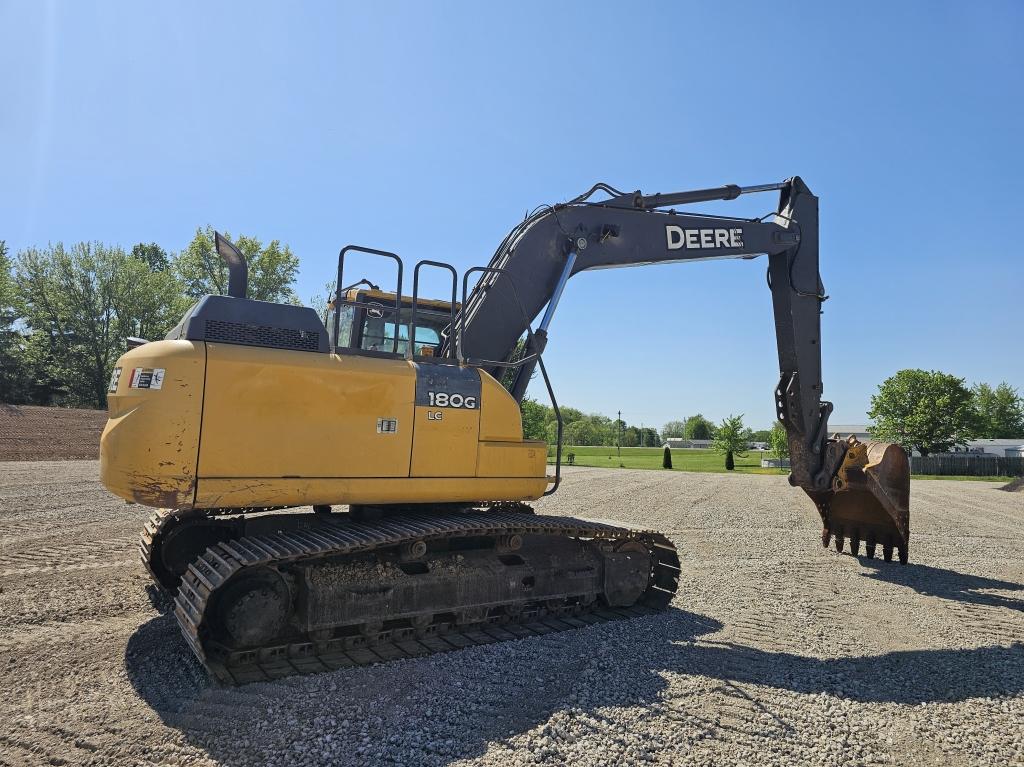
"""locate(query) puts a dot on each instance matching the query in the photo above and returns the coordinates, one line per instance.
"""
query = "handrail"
(519, 363)
(339, 300)
(415, 296)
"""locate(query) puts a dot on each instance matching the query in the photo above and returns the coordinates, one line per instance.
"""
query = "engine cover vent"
(262, 335)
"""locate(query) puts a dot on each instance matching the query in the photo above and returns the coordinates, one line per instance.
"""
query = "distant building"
(678, 443)
(1002, 448)
(844, 430)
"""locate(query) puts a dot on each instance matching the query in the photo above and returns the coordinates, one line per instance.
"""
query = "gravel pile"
(1014, 485)
(776, 651)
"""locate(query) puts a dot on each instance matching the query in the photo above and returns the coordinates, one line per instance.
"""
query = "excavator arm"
(860, 490)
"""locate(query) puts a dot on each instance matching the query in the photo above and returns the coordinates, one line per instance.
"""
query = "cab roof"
(362, 294)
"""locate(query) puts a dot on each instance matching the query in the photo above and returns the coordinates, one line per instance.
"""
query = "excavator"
(351, 488)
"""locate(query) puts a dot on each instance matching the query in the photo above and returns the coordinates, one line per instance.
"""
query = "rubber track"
(221, 562)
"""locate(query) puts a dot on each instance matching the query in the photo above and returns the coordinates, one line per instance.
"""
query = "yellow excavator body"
(386, 417)
(234, 426)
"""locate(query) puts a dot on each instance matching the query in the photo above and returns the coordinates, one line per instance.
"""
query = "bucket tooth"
(839, 539)
(904, 555)
(870, 547)
(826, 537)
(855, 543)
(887, 552)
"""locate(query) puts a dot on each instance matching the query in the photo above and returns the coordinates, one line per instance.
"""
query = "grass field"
(691, 460)
(650, 458)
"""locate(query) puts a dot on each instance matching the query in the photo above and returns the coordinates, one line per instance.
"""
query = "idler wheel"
(627, 572)
(254, 608)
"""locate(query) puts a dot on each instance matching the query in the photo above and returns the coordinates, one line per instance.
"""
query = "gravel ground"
(776, 651)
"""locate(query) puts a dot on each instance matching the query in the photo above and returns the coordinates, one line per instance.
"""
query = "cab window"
(346, 313)
(379, 332)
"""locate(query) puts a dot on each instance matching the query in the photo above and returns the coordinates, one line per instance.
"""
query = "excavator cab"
(366, 320)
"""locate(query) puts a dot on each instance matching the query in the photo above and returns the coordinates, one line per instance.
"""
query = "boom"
(541, 254)
(556, 242)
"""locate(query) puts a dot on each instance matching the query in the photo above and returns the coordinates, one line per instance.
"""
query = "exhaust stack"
(238, 269)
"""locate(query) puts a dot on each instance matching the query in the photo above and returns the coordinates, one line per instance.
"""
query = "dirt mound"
(29, 433)
(1015, 486)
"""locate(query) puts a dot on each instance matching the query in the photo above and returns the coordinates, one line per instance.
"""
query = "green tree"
(535, 419)
(604, 431)
(1000, 411)
(153, 255)
(14, 376)
(80, 303)
(272, 268)
(666, 458)
(673, 429)
(649, 437)
(569, 414)
(699, 427)
(581, 432)
(731, 438)
(761, 435)
(929, 411)
(631, 437)
(320, 301)
(615, 433)
(44, 382)
(778, 441)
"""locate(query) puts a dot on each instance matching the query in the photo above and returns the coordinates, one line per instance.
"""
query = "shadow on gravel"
(160, 665)
(446, 707)
(948, 584)
(160, 600)
(905, 676)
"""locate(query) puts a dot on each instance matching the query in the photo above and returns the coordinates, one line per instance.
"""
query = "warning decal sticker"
(147, 378)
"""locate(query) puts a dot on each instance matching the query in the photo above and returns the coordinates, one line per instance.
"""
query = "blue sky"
(429, 129)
